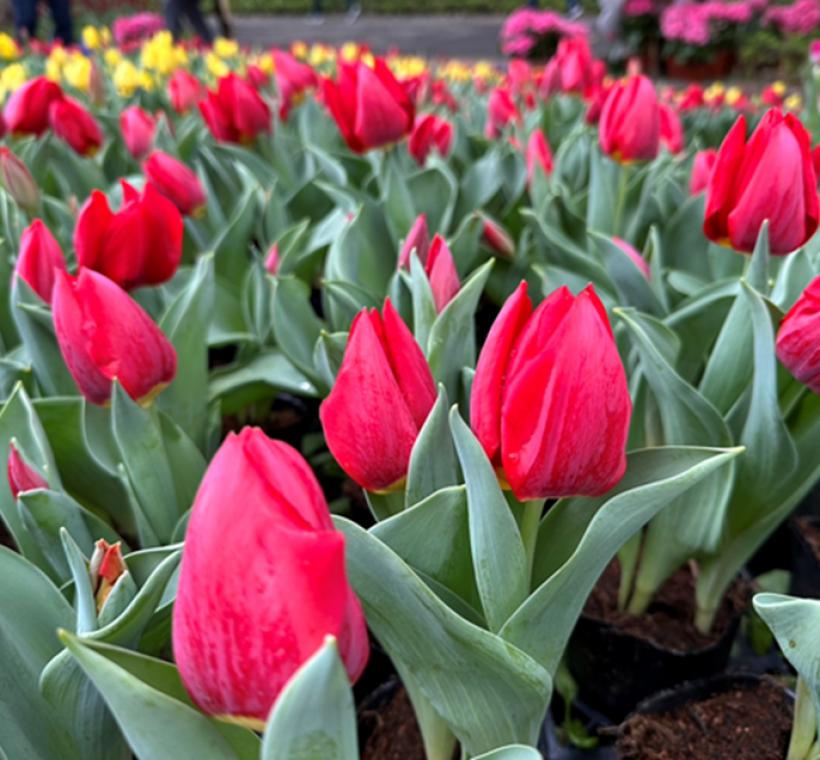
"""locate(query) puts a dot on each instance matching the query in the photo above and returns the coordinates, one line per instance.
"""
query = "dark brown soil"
(393, 731)
(810, 530)
(743, 724)
(669, 621)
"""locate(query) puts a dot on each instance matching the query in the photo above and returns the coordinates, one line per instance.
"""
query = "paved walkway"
(465, 36)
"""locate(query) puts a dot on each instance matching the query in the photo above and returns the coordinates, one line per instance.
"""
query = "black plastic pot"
(616, 670)
(805, 581)
(671, 700)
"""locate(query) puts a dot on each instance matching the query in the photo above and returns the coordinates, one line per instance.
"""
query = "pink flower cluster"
(801, 17)
(635, 8)
(129, 30)
(524, 27)
(691, 23)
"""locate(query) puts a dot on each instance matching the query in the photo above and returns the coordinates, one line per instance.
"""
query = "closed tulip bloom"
(501, 112)
(21, 475)
(17, 181)
(73, 124)
(272, 259)
(39, 257)
(629, 126)
(798, 340)
(441, 272)
(539, 155)
(141, 244)
(104, 334)
(262, 581)
(418, 240)
(370, 106)
(770, 177)
(549, 400)
(138, 128)
(815, 159)
(701, 169)
(496, 238)
(26, 111)
(176, 182)
(671, 129)
(235, 112)
(184, 91)
(430, 133)
(293, 80)
(382, 396)
(635, 257)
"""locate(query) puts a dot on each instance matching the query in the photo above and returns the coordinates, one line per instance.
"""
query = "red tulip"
(382, 396)
(293, 79)
(496, 238)
(235, 112)
(770, 177)
(138, 128)
(539, 155)
(549, 400)
(262, 581)
(21, 475)
(441, 96)
(571, 69)
(176, 182)
(106, 567)
(141, 244)
(798, 340)
(370, 107)
(501, 112)
(701, 169)
(72, 123)
(441, 272)
(693, 98)
(104, 335)
(635, 257)
(430, 133)
(26, 110)
(258, 78)
(671, 129)
(629, 127)
(17, 181)
(417, 239)
(272, 259)
(815, 159)
(184, 91)
(39, 257)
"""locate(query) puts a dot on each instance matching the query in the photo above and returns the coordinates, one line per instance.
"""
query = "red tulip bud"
(629, 127)
(106, 566)
(418, 240)
(671, 129)
(770, 177)
(39, 257)
(272, 259)
(176, 182)
(501, 112)
(138, 128)
(539, 155)
(430, 133)
(104, 335)
(18, 182)
(75, 125)
(701, 169)
(441, 272)
(184, 91)
(549, 400)
(798, 340)
(496, 238)
(22, 476)
(262, 581)
(293, 79)
(382, 396)
(235, 112)
(141, 244)
(27, 109)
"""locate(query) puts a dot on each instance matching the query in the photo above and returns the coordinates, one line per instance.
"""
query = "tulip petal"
(722, 186)
(379, 119)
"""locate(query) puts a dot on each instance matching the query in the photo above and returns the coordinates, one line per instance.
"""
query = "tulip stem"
(530, 522)
(620, 201)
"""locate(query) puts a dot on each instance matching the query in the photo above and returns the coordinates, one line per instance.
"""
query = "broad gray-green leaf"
(314, 717)
(499, 562)
(295, 324)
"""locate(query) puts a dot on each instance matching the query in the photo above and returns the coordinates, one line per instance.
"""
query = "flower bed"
(367, 407)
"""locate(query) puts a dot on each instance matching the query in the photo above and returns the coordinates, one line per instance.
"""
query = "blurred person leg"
(197, 20)
(173, 17)
(354, 10)
(222, 9)
(25, 18)
(63, 26)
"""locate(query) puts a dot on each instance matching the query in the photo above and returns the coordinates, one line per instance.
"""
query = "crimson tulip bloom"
(441, 272)
(430, 133)
(21, 475)
(629, 127)
(262, 581)
(39, 257)
(17, 181)
(418, 240)
(370, 106)
(571, 69)
(798, 340)
(539, 155)
(293, 79)
(104, 335)
(549, 403)
(141, 244)
(701, 169)
(138, 128)
(770, 177)
(382, 396)
(176, 182)
(184, 91)
(671, 129)
(235, 112)
(501, 112)
(72, 123)
(27, 108)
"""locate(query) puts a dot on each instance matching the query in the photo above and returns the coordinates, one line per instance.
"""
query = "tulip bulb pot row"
(323, 370)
